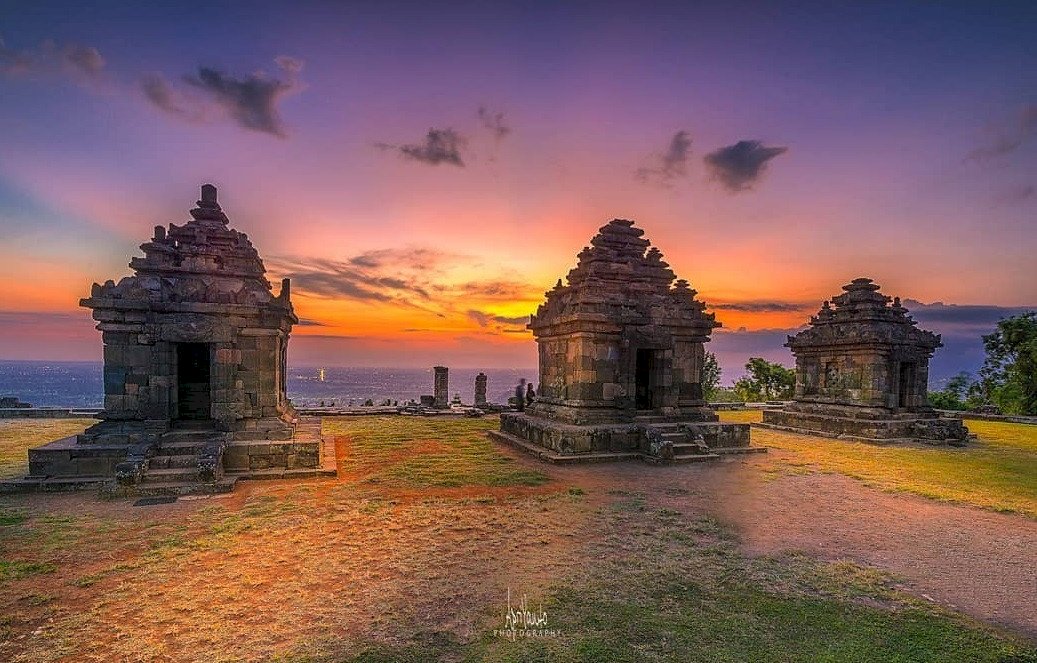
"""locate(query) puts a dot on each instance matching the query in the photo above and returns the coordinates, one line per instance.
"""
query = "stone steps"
(162, 462)
(684, 459)
(182, 447)
(172, 474)
(176, 488)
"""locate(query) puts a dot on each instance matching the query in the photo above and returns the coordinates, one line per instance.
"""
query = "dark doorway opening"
(906, 384)
(193, 381)
(645, 366)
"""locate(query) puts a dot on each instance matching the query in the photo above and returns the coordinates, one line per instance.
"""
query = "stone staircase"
(686, 449)
(174, 469)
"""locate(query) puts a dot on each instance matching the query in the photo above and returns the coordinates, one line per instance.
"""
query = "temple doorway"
(193, 381)
(906, 384)
(643, 378)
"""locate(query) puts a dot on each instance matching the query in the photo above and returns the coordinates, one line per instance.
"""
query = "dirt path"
(979, 562)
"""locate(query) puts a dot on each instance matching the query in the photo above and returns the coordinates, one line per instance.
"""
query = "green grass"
(18, 569)
(672, 590)
(17, 436)
(997, 472)
(424, 452)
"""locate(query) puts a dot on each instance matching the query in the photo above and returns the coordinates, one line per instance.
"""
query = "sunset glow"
(423, 180)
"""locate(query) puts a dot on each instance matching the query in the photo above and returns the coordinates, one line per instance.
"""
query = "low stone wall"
(569, 439)
(66, 458)
(932, 430)
(46, 413)
(253, 455)
(1007, 418)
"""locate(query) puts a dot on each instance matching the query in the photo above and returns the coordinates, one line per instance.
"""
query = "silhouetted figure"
(520, 395)
(530, 394)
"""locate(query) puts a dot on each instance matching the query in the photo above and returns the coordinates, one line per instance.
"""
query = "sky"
(424, 174)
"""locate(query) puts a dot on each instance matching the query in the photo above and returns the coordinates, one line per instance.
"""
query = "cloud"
(973, 319)
(416, 258)
(440, 146)
(484, 319)
(497, 290)
(671, 164)
(1008, 140)
(401, 276)
(305, 322)
(1017, 195)
(72, 60)
(762, 306)
(494, 122)
(159, 93)
(251, 101)
(738, 167)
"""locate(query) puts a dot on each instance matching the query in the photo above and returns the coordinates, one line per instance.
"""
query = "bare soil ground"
(962, 557)
(424, 535)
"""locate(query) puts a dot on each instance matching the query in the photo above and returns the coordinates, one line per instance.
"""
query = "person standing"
(520, 395)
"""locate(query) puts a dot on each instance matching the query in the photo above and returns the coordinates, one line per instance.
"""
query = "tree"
(952, 397)
(710, 375)
(766, 381)
(1009, 374)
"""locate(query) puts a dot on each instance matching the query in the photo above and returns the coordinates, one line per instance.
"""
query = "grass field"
(409, 555)
(18, 435)
(997, 472)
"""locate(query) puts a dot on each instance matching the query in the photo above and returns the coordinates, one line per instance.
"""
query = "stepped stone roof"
(620, 278)
(202, 261)
(863, 315)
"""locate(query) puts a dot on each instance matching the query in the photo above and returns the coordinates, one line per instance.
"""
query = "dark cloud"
(962, 318)
(496, 290)
(85, 59)
(738, 167)
(415, 258)
(494, 122)
(163, 96)
(1017, 195)
(252, 101)
(440, 146)
(671, 164)
(760, 306)
(73, 60)
(305, 322)
(1009, 139)
(403, 276)
(484, 319)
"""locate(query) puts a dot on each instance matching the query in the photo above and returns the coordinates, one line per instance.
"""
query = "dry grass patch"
(998, 472)
(17, 436)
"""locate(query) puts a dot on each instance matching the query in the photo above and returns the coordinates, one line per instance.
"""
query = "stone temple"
(621, 353)
(195, 347)
(862, 372)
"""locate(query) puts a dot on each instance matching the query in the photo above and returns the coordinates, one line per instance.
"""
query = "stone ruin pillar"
(441, 386)
(480, 390)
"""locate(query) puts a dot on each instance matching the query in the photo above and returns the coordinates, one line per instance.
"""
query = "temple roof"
(201, 261)
(621, 278)
(861, 314)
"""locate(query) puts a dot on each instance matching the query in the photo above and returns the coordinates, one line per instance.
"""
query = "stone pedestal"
(621, 353)
(862, 372)
(441, 389)
(195, 346)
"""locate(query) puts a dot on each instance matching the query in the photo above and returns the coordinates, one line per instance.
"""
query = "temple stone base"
(873, 425)
(654, 439)
(195, 459)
